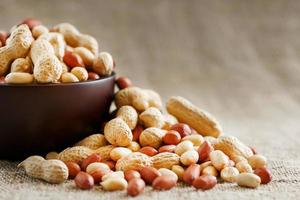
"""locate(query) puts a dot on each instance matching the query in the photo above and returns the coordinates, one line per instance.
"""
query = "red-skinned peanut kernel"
(191, 173)
(137, 132)
(93, 76)
(172, 137)
(130, 174)
(149, 174)
(264, 174)
(73, 60)
(90, 159)
(149, 151)
(204, 151)
(182, 129)
(84, 181)
(205, 182)
(73, 168)
(135, 186)
(123, 82)
(167, 148)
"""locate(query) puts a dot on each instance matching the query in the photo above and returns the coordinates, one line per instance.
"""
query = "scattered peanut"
(149, 174)
(210, 170)
(149, 151)
(248, 180)
(52, 171)
(218, 159)
(73, 168)
(257, 161)
(243, 167)
(179, 171)
(152, 137)
(131, 174)
(90, 159)
(119, 152)
(113, 184)
(182, 129)
(152, 117)
(183, 147)
(264, 174)
(123, 82)
(172, 137)
(229, 174)
(135, 186)
(129, 115)
(189, 157)
(205, 182)
(198, 119)
(163, 183)
(191, 173)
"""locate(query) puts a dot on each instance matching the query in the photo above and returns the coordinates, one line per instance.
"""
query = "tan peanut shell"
(86, 55)
(57, 42)
(76, 39)
(152, 137)
(232, 147)
(21, 65)
(152, 117)
(52, 171)
(117, 132)
(47, 67)
(103, 64)
(75, 154)
(133, 161)
(140, 99)
(39, 30)
(190, 114)
(170, 120)
(94, 141)
(129, 115)
(104, 151)
(17, 46)
(165, 160)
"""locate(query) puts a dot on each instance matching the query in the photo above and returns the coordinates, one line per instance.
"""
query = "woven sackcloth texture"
(239, 60)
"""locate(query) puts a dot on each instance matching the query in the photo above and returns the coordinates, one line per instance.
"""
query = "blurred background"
(239, 60)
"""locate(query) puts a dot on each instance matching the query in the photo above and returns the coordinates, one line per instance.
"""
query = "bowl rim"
(59, 84)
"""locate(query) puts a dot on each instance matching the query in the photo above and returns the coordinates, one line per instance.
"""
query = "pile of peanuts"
(32, 53)
(142, 145)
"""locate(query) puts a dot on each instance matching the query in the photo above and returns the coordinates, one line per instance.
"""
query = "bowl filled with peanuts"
(55, 87)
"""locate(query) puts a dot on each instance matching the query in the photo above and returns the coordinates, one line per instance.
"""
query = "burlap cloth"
(239, 60)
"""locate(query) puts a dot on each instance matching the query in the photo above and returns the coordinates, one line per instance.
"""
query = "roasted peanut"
(135, 186)
(129, 115)
(117, 132)
(189, 157)
(229, 174)
(178, 170)
(73, 168)
(119, 152)
(167, 148)
(204, 151)
(183, 147)
(84, 181)
(113, 184)
(168, 172)
(209, 170)
(52, 171)
(152, 117)
(90, 159)
(248, 180)
(123, 82)
(190, 114)
(96, 166)
(81, 73)
(149, 174)
(131, 174)
(264, 174)
(244, 167)
(163, 183)
(257, 161)
(68, 78)
(182, 129)
(152, 137)
(149, 151)
(191, 173)
(205, 182)
(19, 78)
(218, 159)
(172, 137)
(197, 140)
(134, 161)
(165, 160)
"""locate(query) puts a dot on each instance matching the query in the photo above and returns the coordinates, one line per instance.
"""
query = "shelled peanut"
(33, 53)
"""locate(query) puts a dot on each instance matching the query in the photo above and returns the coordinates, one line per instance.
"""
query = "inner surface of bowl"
(40, 118)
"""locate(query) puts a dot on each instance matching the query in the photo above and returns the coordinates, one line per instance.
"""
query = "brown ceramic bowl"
(36, 119)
